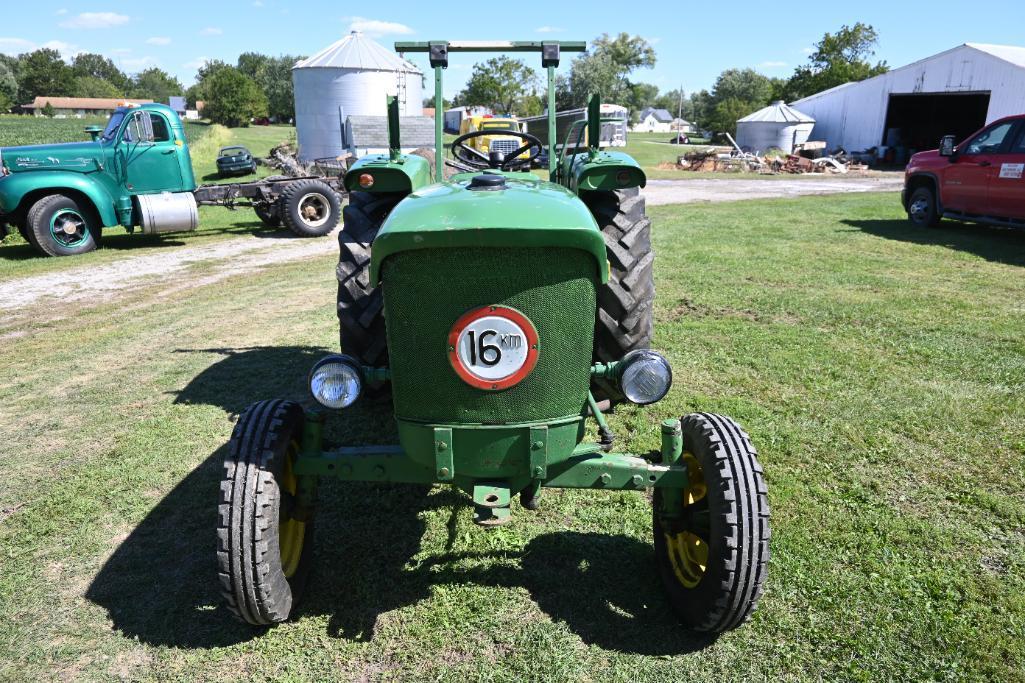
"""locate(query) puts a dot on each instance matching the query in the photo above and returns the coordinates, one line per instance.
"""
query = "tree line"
(257, 85)
(510, 86)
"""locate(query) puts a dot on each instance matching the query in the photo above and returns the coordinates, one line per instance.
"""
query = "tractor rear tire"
(624, 316)
(360, 303)
(713, 552)
(59, 225)
(263, 553)
(310, 208)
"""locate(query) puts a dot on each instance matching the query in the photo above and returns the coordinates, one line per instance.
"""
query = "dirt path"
(104, 282)
(730, 190)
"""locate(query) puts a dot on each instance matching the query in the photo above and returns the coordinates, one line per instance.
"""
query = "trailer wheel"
(310, 208)
(712, 538)
(61, 226)
(623, 319)
(360, 305)
(263, 551)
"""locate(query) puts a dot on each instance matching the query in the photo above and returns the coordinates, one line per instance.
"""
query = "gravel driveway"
(731, 190)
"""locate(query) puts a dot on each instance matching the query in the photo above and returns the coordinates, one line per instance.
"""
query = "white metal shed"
(777, 125)
(954, 92)
(351, 77)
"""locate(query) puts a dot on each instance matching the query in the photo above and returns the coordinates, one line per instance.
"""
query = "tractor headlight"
(336, 381)
(645, 376)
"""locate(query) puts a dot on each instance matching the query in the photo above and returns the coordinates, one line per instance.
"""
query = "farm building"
(78, 107)
(653, 120)
(776, 126)
(955, 92)
(351, 77)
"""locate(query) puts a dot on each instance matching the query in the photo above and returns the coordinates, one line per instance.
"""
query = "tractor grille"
(504, 145)
(427, 290)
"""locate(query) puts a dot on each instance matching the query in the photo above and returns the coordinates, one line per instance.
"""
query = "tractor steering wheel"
(504, 162)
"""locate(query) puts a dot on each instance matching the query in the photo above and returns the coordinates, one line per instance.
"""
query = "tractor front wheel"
(264, 541)
(712, 538)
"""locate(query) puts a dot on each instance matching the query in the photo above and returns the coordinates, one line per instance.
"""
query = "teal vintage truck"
(137, 173)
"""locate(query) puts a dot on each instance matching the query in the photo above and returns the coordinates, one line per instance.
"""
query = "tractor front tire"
(263, 551)
(310, 208)
(624, 317)
(59, 225)
(712, 538)
(360, 304)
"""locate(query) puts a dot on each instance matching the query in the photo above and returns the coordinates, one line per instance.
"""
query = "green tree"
(500, 83)
(274, 76)
(92, 65)
(232, 98)
(724, 114)
(8, 88)
(606, 68)
(91, 86)
(157, 85)
(44, 73)
(198, 92)
(48, 110)
(746, 85)
(838, 58)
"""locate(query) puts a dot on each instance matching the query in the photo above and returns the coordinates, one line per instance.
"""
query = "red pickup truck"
(981, 180)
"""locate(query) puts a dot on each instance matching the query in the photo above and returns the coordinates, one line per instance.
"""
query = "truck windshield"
(110, 132)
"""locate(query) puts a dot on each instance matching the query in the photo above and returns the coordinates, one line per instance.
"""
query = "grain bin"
(352, 77)
(777, 125)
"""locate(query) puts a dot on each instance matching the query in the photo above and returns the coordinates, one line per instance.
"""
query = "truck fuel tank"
(167, 212)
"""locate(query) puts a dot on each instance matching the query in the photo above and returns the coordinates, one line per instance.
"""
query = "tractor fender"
(604, 170)
(19, 190)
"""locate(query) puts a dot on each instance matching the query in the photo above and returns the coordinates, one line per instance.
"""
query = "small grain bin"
(777, 125)
(352, 77)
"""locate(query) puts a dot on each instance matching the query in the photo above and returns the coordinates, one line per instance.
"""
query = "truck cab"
(980, 180)
(497, 142)
(60, 196)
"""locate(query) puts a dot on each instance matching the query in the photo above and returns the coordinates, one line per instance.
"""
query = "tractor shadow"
(160, 585)
(999, 245)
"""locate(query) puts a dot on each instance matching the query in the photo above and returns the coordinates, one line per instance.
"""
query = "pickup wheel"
(623, 319)
(922, 210)
(712, 537)
(360, 304)
(264, 546)
(59, 225)
(310, 208)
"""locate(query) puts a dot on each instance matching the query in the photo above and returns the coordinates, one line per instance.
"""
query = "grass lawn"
(879, 368)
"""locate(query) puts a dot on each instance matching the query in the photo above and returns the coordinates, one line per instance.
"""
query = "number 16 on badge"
(493, 347)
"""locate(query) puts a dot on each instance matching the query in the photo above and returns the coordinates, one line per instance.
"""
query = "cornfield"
(31, 130)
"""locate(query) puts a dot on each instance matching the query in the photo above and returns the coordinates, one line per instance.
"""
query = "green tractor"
(500, 312)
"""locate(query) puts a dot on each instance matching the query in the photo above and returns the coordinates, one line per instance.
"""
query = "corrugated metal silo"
(777, 125)
(349, 78)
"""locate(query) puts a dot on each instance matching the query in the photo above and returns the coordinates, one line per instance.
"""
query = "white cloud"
(133, 64)
(548, 29)
(196, 63)
(87, 20)
(772, 65)
(211, 31)
(159, 40)
(377, 28)
(15, 46)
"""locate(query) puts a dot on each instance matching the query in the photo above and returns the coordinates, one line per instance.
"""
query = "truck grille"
(427, 290)
(504, 145)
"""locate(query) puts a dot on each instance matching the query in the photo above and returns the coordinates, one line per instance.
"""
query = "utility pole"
(679, 115)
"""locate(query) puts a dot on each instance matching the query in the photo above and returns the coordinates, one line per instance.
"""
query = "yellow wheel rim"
(688, 552)
(291, 532)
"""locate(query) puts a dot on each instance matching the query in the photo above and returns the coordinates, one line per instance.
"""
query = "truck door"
(966, 180)
(147, 154)
(1007, 180)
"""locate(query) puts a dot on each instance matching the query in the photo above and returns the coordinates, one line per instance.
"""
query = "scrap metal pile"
(808, 158)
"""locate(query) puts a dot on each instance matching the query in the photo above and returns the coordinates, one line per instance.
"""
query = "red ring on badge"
(533, 347)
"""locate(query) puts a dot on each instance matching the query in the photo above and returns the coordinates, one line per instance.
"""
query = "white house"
(954, 92)
(654, 121)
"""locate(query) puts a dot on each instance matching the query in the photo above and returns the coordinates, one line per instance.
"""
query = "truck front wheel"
(922, 208)
(59, 225)
(310, 208)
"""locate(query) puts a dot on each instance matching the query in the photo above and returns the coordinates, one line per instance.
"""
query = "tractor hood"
(80, 157)
(524, 212)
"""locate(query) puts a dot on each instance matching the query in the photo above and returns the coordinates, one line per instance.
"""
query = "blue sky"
(694, 41)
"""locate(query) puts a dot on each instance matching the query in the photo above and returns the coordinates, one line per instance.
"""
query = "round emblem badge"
(493, 347)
